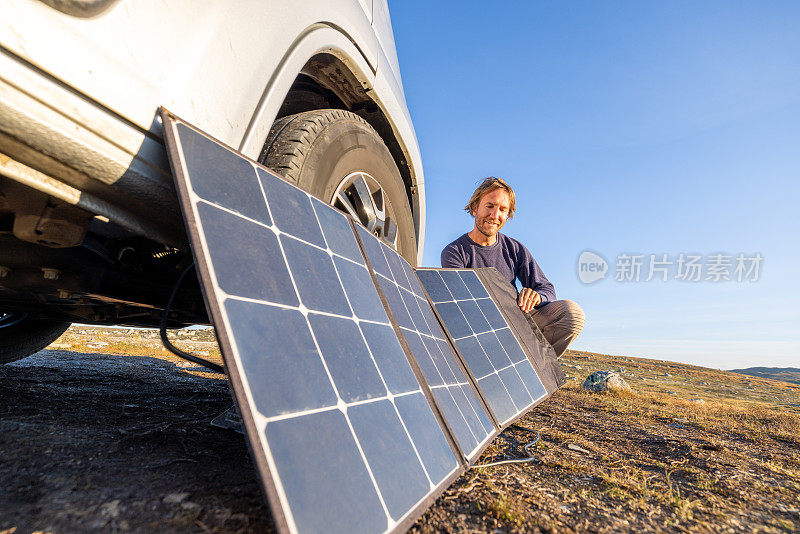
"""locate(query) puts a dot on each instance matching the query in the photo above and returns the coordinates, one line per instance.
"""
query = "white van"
(90, 226)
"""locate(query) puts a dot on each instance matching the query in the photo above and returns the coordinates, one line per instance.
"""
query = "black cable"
(163, 331)
(527, 447)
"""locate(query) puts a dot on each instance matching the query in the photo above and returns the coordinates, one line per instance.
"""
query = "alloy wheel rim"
(361, 196)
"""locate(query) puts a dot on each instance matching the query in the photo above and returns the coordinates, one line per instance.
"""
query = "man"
(492, 203)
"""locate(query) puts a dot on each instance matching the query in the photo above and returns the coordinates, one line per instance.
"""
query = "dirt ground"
(107, 433)
(96, 442)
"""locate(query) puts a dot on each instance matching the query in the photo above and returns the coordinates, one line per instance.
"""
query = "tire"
(333, 154)
(21, 336)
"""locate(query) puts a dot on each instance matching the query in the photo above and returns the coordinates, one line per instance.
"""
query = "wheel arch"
(324, 69)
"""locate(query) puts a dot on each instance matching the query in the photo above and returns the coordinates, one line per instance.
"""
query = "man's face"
(492, 212)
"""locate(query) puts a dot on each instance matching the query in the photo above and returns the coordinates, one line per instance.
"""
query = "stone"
(191, 507)
(175, 498)
(110, 510)
(697, 400)
(605, 381)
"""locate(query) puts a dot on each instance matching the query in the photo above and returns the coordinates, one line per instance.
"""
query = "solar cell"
(504, 374)
(344, 437)
(450, 386)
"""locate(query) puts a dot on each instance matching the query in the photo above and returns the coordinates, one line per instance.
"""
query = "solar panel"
(462, 408)
(492, 353)
(344, 435)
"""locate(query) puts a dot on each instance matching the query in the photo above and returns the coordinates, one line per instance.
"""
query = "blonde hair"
(487, 186)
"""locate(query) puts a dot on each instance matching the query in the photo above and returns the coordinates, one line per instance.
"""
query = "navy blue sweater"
(507, 255)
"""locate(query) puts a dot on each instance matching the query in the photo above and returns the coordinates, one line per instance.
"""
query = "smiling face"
(490, 215)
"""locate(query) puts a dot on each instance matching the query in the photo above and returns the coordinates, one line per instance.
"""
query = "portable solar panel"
(453, 390)
(345, 436)
(505, 374)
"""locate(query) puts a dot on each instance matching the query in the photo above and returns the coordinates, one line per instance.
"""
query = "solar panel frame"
(266, 469)
(525, 332)
(385, 269)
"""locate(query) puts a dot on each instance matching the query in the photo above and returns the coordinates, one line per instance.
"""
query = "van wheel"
(21, 336)
(338, 157)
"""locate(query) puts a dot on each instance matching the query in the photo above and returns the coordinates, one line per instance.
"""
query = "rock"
(95, 524)
(175, 498)
(110, 510)
(604, 381)
(191, 507)
(578, 367)
(697, 400)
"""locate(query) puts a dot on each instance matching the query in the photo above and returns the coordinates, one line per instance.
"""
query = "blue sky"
(624, 127)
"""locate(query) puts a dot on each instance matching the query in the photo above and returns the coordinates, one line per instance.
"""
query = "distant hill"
(784, 374)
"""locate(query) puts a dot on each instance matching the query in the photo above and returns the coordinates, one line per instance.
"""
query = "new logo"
(591, 267)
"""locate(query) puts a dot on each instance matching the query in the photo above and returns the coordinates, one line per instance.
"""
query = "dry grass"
(654, 461)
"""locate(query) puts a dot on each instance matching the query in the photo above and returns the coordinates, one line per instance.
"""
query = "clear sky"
(625, 128)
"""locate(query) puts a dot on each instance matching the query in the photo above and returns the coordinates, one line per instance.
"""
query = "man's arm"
(451, 259)
(539, 283)
(539, 289)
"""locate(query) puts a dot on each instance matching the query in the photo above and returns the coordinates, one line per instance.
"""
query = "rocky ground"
(106, 431)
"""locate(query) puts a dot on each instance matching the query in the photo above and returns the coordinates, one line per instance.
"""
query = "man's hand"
(528, 298)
